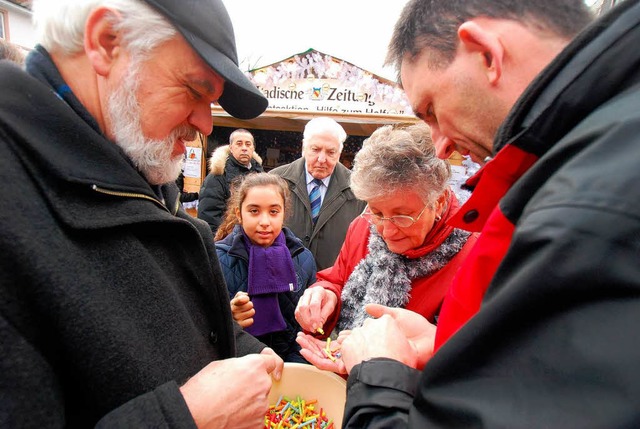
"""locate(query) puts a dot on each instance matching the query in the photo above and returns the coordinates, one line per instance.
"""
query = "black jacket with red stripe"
(551, 292)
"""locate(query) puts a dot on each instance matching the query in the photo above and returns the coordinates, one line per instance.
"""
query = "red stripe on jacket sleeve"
(470, 283)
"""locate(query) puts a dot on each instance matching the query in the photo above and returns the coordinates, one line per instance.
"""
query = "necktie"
(316, 201)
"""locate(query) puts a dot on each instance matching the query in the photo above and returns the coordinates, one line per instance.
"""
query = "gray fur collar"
(384, 277)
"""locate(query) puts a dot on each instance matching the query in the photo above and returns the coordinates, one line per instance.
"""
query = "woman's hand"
(315, 351)
(242, 309)
(314, 308)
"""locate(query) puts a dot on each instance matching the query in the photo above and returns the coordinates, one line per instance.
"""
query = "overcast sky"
(357, 31)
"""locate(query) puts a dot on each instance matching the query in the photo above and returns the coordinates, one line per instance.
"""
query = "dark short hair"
(239, 131)
(434, 24)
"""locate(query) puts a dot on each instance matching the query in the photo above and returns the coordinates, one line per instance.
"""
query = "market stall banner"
(316, 82)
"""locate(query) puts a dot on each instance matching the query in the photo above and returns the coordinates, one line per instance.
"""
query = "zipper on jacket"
(128, 195)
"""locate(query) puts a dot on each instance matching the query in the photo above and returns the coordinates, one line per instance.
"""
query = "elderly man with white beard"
(113, 309)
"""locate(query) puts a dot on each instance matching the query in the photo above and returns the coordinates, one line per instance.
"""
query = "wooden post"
(195, 167)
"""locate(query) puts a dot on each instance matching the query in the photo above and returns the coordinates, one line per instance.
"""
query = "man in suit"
(335, 205)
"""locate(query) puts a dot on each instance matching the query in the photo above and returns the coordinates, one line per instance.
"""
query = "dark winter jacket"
(554, 342)
(216, 189)
(234, 261)
(339, 207)
(110, 299)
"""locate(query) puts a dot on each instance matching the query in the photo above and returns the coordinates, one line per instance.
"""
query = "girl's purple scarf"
(271, 272)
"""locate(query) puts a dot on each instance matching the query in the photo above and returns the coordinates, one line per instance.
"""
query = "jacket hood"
(601, 61)
(219, 159)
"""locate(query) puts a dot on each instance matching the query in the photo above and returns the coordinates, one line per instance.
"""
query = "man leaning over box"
(113, 309)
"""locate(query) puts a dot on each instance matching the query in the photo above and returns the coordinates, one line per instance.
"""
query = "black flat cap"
(206, 26)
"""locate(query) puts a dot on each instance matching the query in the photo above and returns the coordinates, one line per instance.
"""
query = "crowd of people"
(513, 308)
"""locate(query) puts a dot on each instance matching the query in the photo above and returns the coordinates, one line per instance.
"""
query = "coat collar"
(220, 159)
(489, 185)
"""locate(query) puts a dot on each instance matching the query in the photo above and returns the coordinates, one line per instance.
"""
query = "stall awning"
(354, 124)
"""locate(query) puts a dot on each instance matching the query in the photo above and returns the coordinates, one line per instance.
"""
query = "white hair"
(399, 159)
(323, 125)
(60, 24)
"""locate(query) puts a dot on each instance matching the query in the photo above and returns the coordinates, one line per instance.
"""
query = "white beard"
(153, 158)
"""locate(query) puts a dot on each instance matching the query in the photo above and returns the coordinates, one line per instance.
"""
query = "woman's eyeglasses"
(401, 221)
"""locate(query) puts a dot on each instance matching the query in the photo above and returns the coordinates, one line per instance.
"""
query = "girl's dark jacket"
(109, 298)
(547, 306)
(234, 260)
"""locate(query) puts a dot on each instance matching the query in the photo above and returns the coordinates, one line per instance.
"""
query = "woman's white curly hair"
(399, 159)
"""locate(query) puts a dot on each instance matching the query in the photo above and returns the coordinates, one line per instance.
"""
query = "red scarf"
(439, 232)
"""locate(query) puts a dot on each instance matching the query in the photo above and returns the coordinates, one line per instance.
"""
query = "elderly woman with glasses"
(400, 252)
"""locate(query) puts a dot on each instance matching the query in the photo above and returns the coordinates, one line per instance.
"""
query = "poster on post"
(193, 162)
(194, 171)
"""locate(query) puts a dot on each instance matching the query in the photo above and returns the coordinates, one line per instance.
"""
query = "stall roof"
(354, 125)
(24, 3)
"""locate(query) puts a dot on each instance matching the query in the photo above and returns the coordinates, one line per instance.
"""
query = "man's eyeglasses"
(401, 221)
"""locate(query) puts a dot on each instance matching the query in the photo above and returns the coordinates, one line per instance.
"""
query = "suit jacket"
(339, 207)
